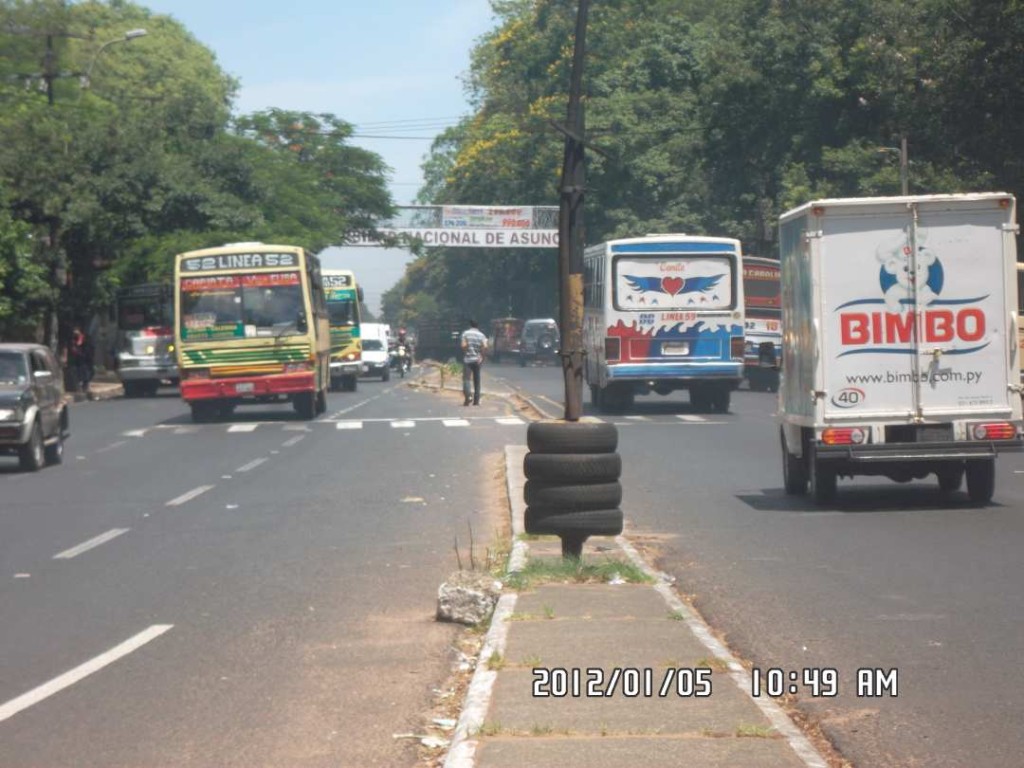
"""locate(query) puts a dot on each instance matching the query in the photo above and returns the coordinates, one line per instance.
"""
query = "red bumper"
(247, 386)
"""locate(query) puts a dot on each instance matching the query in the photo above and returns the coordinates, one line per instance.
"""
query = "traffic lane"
(891, 576)
(122, 483)
(288, 617)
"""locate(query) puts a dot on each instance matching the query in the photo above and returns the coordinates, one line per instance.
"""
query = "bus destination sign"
(239, 261)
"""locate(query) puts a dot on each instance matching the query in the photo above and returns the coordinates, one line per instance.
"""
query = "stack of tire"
(572, 482)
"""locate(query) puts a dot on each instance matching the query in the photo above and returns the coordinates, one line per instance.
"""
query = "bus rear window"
(674, 283)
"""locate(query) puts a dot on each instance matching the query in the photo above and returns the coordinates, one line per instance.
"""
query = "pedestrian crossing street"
(423, 422)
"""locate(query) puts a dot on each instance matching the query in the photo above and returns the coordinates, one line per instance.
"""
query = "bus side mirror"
(300, 323)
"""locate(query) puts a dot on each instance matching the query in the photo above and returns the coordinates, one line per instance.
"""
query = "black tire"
(823, 480)
(31, 455)
(151, 388)
(131, 388)
(305, 405)
(572, 437)
(720, 397)
(794, 471)
(54, 452)
(321, 402)
(572, 468)
(572, 498)
(591, 522)
(522, 360)
(700, 398)
(386, 376)
(981, 480)
(951, 478)
(351, 384)
(617, 398)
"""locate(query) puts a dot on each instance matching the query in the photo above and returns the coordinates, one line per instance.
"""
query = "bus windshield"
(264, 304)
(340, 312)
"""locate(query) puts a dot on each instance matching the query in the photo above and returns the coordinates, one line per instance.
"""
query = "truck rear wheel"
(794, 472)
(824, 481)
(981, 480)
(951, 478)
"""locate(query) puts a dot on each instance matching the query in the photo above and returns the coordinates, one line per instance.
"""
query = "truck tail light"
(1000, 430)
(611, 348)
(843, 436)
(736, 347)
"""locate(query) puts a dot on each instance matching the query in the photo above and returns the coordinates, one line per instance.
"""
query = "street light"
(131, 34)
(904, 164)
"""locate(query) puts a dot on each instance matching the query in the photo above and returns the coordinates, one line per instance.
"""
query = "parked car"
(375, 350)
(33, 415)
(505, 335)
(539, 341)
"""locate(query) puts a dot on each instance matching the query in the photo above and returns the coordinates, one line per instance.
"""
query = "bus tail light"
(843, 436)
(737, 344)
(611, 348)
(1000, 430)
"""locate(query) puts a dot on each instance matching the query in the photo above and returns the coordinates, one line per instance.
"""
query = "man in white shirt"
(474, 343)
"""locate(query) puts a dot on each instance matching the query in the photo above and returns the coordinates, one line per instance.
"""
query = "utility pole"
(904, 167)
(571, 231)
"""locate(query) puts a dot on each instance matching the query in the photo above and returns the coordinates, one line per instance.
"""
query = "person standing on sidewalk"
(80, 359)
(474, 343)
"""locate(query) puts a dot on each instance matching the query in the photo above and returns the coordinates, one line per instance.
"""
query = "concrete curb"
(462, 750)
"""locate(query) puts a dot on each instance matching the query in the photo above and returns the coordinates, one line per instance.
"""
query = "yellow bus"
(251, 328)
(343, 296)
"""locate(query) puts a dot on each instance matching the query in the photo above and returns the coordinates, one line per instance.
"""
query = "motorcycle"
(401, 360)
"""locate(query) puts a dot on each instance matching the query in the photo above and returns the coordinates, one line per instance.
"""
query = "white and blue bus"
(662, 313)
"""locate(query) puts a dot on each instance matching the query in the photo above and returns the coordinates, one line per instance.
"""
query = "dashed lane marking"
(188, 496)
(251, 465)
(85, 546)
(292, 441)
(69, 678)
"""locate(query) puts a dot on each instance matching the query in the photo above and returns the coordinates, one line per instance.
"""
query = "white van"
(375, 350)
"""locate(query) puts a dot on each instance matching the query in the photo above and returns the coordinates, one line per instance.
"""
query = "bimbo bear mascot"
(897, 276)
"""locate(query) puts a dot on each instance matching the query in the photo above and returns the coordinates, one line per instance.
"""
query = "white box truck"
(900, 353)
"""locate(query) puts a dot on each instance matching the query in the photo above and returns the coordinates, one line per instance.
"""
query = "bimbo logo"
(894, 329)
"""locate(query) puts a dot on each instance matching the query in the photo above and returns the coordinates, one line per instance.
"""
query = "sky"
(391, 68)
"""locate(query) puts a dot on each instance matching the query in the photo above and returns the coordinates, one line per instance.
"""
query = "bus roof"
(242, 247)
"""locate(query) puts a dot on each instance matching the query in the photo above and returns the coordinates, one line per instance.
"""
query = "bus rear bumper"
(247, 386)
(682, 371)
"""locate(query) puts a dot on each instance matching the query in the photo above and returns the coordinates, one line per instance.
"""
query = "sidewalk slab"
(615, 752)
(592, 601)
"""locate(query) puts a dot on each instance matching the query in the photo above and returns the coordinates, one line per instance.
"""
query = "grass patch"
(562, 571)
(754, 731)
(495, 662)
(549, 612)
(532, 661)
(676, 616)
(713, 662)
(489, 729)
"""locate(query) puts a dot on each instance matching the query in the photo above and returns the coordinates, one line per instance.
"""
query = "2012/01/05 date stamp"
(629, 682)
(822, 682)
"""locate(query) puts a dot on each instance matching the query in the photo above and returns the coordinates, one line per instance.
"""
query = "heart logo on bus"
(672, 285)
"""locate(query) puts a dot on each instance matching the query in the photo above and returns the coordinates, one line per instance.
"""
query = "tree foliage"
(714, 117)
(117, 172)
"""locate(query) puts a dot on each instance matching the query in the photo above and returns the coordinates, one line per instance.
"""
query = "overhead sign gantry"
(467, 226)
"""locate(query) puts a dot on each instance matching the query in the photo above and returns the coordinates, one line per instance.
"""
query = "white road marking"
(403, 424)
(509, 420)
(638, 418)
(85, 546)
(690, 417)
(135, 433)
(23, 575)
(349, 425)
(353, 407)
(111, 447)
(242, 427)
(296, 428)
(293, 440)
(57, 684)
(185, 430)
(455, 422)
(189, 495)
(251, 465)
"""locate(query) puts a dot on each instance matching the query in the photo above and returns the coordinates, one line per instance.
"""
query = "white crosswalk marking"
(638, 418)
(509, 420)
(690, 417)
(242, 427)
(455, 422)
(403, 424)
(349, 425)
(185, 430)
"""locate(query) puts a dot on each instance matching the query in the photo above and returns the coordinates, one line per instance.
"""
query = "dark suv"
(539, 341)
(33, 415)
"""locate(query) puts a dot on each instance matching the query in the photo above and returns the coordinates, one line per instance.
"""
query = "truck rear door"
(914, 302)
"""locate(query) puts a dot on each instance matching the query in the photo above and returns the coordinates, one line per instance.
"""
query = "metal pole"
(571, 233)
(904, 167)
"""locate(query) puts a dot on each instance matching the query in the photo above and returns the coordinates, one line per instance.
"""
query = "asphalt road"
(258, 592)
(890, 577)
